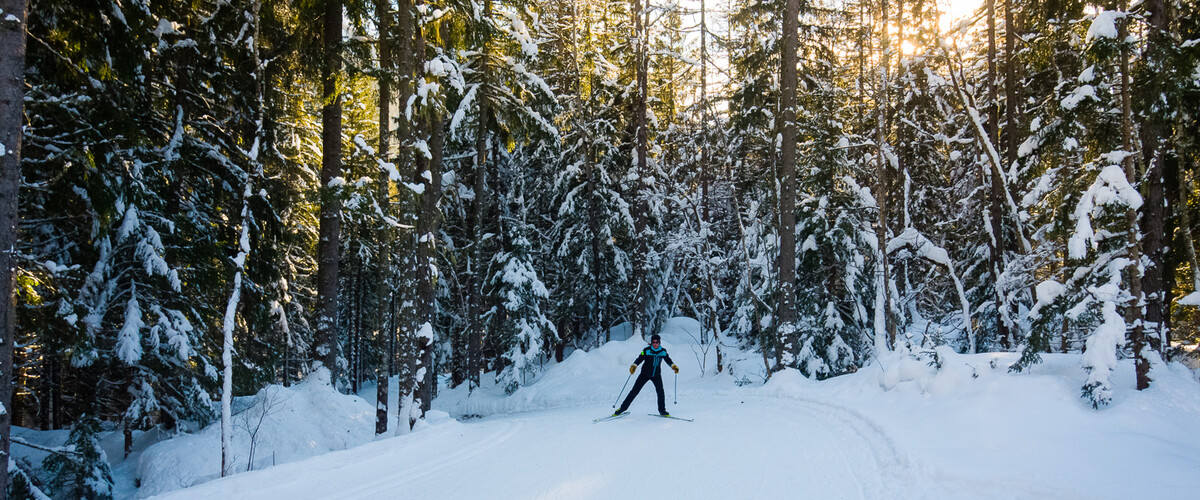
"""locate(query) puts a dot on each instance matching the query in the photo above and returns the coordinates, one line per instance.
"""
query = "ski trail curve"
(868, 440)
(395, 482)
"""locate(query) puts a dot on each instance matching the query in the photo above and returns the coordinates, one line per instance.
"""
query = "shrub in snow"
(20, 487)
(83, 471)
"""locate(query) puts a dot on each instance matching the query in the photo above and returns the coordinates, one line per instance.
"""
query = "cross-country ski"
(672, 417)
(610, 417)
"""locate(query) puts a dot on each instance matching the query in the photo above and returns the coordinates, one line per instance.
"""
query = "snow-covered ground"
(896, 429)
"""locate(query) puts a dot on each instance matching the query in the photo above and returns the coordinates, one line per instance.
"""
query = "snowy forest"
(202, 198)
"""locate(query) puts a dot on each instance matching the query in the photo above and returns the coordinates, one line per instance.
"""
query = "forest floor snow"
(899, 428)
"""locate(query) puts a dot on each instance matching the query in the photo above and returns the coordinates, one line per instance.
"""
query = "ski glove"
(676, 368)
(632, 368)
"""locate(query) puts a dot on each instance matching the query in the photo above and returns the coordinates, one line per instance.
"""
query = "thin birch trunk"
(239, 261)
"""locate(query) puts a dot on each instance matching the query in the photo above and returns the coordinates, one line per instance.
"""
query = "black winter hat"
(655, 337)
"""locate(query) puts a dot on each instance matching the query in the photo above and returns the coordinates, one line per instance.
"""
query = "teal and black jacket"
(652, 358)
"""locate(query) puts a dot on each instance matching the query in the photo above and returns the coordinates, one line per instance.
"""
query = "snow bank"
(935, 425)
(972, 429)
(282, 424)
(1031, 434)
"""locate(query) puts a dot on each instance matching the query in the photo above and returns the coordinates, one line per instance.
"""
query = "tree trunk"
(430, 214)
(478, 209)
(127, 434)
(902, 147)
(705, 175)
(385, 279)
(425, 123)
(884, 323)
(360, 330)
(641, 256)
(427, 227)
(50, 394)
(409, 162)
(706, 179)
(347, 305)
(597, 314)
(331, 167)
(902, 108)
(1137, 335)
(1155, 203)
(355, 323)
(12, 105)
(996, 198)
(1013, 112)
(1011, 89)
(1185, 227)
(785, 307)
(227, 331)
(597, 243)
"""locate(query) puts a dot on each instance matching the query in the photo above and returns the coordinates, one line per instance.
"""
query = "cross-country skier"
(650, 358)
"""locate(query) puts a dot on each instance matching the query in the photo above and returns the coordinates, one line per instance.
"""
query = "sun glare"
(954, 11)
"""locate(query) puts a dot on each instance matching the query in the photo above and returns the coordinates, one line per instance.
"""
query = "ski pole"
(622, 390)
(676, 388)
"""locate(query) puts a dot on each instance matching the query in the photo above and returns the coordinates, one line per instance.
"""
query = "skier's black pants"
(637, 386)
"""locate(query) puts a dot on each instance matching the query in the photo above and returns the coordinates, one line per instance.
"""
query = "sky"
(952, 11)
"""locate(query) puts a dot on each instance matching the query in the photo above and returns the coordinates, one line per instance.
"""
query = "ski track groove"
(877, 440)
(389, 484)
(889, 463)
(830, 437)
(896, 472)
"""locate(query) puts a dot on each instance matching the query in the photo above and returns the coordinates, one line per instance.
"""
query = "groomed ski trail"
(740, 446)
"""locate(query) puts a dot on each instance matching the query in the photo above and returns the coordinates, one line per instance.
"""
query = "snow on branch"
(1104, 25)
(68, 451)
(1110, 188)
(1100, 356)
(924, 248)
(928, 250)
(129, 340)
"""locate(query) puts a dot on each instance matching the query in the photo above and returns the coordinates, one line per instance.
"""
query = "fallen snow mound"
(277, 425)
